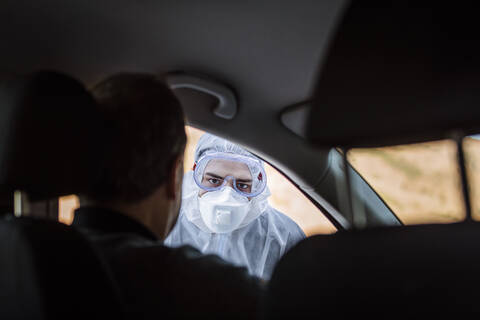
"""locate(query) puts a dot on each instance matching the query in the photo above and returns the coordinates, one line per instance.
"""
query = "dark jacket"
(160, 282)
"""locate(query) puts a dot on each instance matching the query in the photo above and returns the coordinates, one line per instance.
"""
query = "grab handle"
(227, 103)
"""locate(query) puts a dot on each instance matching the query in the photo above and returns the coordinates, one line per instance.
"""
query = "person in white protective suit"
(225, 210)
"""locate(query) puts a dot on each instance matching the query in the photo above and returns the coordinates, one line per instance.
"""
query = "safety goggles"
(216, 170)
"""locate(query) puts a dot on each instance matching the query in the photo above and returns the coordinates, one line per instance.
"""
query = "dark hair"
(148, 134)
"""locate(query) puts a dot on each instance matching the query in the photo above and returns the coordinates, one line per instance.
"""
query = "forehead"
(223, 168)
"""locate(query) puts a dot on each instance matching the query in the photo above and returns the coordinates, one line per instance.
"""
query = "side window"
(420, 182)
(285, 197)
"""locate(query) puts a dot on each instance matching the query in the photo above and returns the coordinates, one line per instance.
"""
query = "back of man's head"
(147, 126)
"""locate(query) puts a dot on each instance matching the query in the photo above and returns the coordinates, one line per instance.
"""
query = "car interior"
(402, 270)
(299, 84)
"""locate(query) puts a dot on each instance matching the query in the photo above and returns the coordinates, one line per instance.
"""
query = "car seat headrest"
(51, 135)
(397, 72)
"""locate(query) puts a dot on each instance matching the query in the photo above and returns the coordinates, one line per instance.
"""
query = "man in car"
(225, 209)
(136, 204)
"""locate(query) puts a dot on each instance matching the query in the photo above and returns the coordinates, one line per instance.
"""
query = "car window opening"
(420, 182)
(285, 196)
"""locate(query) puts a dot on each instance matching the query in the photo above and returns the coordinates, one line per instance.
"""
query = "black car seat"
(50, 271)
(50, 145)
(384, 273)
(397, 72)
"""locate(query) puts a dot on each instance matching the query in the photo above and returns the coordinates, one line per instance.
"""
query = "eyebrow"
(218, 177)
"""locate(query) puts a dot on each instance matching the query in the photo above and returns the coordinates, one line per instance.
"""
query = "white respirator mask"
(223, 210)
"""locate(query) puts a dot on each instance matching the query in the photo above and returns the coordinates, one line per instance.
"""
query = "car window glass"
(419, 182)
(285, 197)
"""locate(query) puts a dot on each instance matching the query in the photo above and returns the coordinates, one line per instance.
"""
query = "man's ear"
(175, 178)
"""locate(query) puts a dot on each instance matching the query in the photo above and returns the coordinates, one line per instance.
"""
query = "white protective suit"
(261, 239)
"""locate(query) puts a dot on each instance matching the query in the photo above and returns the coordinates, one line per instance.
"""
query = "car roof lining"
(268, 55)
(267, 51)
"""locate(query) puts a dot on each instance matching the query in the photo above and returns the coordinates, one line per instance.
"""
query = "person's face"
(217, 169)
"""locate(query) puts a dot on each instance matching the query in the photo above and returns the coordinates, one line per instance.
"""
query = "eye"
(214, 181)
(242, 186)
